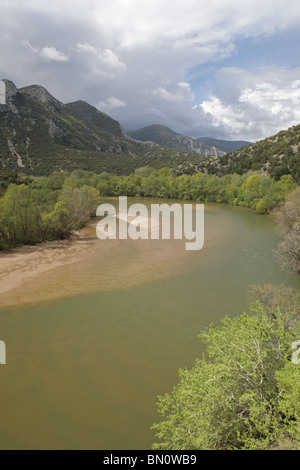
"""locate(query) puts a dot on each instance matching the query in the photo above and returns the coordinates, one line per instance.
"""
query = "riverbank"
(84, 264)
(26, 263)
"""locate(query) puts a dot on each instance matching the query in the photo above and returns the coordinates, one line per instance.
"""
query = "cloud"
(50, 53)
(148, 62)
(111, 104)
(104, 60)
(165, 95)
(253, 104)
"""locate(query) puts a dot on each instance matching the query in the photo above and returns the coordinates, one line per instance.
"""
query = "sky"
(227, 69)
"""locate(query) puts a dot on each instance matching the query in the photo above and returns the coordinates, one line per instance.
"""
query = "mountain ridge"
(39, 134)
(227, 146)
(163, 135)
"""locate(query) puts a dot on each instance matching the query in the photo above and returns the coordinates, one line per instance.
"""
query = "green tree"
(236, 397)
(20, 216)
(288, 251)
(80, 204)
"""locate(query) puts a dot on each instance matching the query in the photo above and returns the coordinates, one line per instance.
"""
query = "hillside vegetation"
(276, 156)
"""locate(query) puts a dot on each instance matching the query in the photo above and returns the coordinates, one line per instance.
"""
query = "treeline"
(244, 393)
(40, 209)
(251, 190)
(35, 209)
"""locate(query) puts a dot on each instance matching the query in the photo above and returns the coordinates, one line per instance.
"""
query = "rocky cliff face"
(42, 95)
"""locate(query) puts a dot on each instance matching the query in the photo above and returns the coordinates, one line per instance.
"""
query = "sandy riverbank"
(84, 264)
(26, 263)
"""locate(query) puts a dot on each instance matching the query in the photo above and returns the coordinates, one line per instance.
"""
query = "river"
(91, 344)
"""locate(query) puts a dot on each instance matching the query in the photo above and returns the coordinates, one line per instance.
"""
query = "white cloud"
(184, 85)
(263, 102)
(51, 53)
(110, 104)
(102, 61)
(164, 95)
(134, 24)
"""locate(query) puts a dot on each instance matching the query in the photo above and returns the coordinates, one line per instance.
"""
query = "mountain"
(275, 156)
(95, 117)
(162, 135)
(227, 146)
(39, 134)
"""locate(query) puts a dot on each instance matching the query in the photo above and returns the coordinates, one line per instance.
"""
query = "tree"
(79, 204)
(237, 397)
(144, 171)
(288, 251)
(20, 216)
(38, 211)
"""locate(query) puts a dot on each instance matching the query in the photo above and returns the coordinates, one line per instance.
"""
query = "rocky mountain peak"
(40, 93)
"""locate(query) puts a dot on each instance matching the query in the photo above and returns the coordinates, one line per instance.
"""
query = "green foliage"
(245, 394)
(43, 201)
(45, 209)
(251, 190)
(288, 252)
(6, 178)
(277, 156)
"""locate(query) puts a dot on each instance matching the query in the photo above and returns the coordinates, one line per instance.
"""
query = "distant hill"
(275, 156)
(226, 146)
(95, 117)
(162, 135)
(39, 134)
